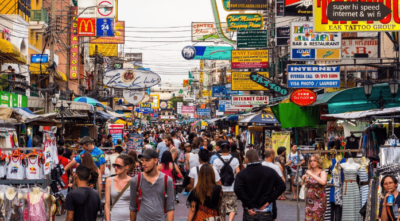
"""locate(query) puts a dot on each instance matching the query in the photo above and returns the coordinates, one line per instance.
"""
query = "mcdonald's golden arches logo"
(86, 27)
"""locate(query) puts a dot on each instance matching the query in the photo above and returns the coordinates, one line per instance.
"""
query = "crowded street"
(209, 110)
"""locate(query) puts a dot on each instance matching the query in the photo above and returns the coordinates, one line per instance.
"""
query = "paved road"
(287, 210)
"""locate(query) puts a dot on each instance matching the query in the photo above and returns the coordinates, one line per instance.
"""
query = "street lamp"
(381, 103)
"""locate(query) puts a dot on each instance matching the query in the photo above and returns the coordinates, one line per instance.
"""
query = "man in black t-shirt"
(109, 142)
(82, 203)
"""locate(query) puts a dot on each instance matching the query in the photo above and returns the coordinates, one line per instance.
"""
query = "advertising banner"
(185, 82)
(74, 50)
(280, 8)
(133, 57)
(37, 58)
(367, 46)
(248, 5)
(105, 27)
(130, 79)
(252, 39)
(249, 100)
(244, 21)
(86, 9)
(268, 84)
(107, 50)
(202, 112)
(282, 36)
(302, 54)
(108, 12)
(207, 31)
(222, 103)
(328, 54)
(86, 27)
(312, 76)
(116, 131)
(391, 22)
(188, 109)
(179, 107)
(155, 101)
(303, 36)
(135, 143)
(207, 52)
(241, 82)
(119, 37)
(219, 91)
(229, 91)
(303, 97)
(204, 93)
(133, 96)
(298, 8)
(250, 59)
(281, 139)
(166, 105)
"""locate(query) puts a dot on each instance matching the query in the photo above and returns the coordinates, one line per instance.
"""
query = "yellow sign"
(201, 64)
(155, 101)
(250, 58)
(323, 24)
(107, 50)
(328, 54)
(281, 139)
(241, 82)
(204, 93)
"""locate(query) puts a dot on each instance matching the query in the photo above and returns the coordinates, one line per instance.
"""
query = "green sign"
(13, 100)
(252, 39)
(244, 21)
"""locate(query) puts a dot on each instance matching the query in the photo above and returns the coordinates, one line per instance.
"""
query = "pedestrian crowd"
(214, 170)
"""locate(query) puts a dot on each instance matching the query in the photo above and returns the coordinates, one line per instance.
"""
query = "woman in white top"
(114, 185)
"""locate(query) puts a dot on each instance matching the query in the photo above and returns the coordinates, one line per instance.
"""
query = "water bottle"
(390, 200)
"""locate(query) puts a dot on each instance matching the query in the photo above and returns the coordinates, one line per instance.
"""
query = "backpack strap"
(197, 168)
(229, 161)
(223, 161)
(138, 191)
(165, 192)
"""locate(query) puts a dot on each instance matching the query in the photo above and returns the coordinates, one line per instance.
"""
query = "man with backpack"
(152, 192)
(227, 167)
(193, 174)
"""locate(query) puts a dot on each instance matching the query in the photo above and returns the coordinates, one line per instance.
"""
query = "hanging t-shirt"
(33, 169)
(295, 160)
(15, 170)
(3, 168)
(48, 156)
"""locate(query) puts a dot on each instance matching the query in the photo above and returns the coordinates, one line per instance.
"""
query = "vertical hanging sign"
(74, 51)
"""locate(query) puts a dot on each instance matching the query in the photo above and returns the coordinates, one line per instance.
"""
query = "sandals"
(282, 198)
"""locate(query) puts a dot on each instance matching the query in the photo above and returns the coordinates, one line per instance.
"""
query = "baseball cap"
(225, 145)
(148, 154)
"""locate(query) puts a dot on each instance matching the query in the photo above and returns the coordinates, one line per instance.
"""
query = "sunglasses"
(117, 166)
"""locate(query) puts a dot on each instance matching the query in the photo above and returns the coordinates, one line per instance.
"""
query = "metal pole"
(52, 27)
(95, 68)
(297, 186)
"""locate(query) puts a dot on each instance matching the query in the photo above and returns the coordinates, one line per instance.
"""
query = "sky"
(167, 25)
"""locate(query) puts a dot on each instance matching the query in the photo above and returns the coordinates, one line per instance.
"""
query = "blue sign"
(229, 91)
(313, 76)
(155, 115)
(219, 91)
(207, 52)
(303, 54)
(148, 91)
(223, 104)
(205, 111)
(105, 27)
(35, 58)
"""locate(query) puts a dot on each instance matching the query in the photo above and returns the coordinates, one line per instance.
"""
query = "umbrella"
(259, 120)
(200, 123)
(89, 100)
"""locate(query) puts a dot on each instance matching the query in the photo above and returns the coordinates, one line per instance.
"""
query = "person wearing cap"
(98, 155)
(152, 188)
(220, 145)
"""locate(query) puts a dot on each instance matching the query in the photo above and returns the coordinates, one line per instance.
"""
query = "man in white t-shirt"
(203, 159)
(229, 198)
(269, 162)
(146, 144)
(295, 162)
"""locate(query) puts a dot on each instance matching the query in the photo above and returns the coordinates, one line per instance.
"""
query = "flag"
(180, 91)
(190, 76)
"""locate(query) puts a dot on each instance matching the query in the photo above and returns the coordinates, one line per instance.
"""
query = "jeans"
(260, 216)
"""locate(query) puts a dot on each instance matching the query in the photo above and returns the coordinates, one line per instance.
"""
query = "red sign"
(86, 26)
(303, 97)
(74, 50)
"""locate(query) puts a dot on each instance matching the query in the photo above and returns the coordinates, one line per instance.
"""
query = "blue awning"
(233, 118)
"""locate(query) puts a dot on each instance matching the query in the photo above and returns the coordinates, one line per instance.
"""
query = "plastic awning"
(11, 53)
(364, 114)
(233, 118)
(35, 69)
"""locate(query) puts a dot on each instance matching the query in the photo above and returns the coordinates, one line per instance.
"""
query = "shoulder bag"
(119, 195)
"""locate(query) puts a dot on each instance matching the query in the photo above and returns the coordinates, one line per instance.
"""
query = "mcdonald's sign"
(86, 27)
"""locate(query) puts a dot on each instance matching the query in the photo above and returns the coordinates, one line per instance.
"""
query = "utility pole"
(95, 68)
(52, 42)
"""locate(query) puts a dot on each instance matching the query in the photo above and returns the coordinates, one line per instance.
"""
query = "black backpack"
(226, 173)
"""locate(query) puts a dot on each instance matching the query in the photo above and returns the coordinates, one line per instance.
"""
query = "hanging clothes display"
(352, 143)
(351, 196)
(50, 151)
(364, 188)
(16, 169)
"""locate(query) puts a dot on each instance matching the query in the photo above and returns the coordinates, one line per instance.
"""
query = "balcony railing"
(40, 15)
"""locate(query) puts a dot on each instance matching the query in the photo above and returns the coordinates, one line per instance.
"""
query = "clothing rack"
(299, 151)
(21, 148)
(16, 182)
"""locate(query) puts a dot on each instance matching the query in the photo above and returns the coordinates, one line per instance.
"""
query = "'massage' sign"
(131, 79)
(267, 83)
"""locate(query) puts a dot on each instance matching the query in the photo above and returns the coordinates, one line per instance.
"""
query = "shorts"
(229, 203)
(294, 174)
